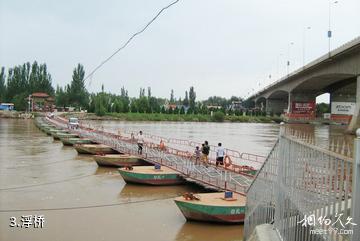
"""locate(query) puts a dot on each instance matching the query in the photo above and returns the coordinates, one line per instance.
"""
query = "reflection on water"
(196, 231)
(332, 137)
(38, 173)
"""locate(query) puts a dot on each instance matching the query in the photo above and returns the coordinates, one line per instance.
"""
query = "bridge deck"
(232, 178)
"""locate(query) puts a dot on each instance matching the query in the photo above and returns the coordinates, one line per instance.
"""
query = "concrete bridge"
(336, 73)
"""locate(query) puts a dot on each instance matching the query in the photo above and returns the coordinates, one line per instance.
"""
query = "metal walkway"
(234, 177)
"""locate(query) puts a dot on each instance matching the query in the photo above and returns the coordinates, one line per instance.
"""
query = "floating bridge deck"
(236, 176)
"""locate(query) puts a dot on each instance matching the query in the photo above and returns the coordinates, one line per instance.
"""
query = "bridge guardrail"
(299, 180)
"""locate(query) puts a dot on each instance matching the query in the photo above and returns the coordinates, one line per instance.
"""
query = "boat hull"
(208, 213)
(49, 130)
(59, 135)
(94, 150)
(118, 160)
(151, 179)
(73, 141)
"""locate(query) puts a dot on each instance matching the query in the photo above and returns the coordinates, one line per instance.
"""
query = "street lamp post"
(329, 33)
(304, 43)
(288, 61)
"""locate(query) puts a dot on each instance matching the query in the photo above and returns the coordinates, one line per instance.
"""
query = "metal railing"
(179, 160)
(302, 190)
(189, 145)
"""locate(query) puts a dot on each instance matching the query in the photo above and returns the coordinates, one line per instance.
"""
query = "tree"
(149, 92)
(163, 111)
(61, 97)
(142, 92)
(133, 106)
(172, 100)
(2, 85)
(38, 78)
(100, 109)
(186, 100)
(182, 110)
(15, 84)
(78, 94)
(192, 98)
(322, 108)
(154, 105)
(118, 106)
(20, 102)
(142, 104)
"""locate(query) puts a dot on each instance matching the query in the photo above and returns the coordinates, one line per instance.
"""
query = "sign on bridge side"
(342, 108)
(303, 107)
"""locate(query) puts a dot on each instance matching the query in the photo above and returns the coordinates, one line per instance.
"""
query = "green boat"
(49, 130)
(55, 133)
(42, 127)
(73, 141)
(62, 134)
(212, 207)
(151, 176)
(94, 149)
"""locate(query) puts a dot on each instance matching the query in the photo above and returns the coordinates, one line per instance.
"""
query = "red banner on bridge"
(303, 107)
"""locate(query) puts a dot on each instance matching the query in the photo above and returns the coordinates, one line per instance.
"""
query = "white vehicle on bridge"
(73, 123)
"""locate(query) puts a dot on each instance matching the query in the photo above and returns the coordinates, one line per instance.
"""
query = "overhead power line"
(130, 39)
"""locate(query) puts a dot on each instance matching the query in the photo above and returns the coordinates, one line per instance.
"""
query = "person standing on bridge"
(197, 154)
(140, 142)
(220, 153)
(205, 151)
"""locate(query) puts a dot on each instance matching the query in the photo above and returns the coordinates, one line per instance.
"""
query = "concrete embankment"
(264, 232)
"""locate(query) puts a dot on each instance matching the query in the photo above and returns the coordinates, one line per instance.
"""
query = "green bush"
(218, 116)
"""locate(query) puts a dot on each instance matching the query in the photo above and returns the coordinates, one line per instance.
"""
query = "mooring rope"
(47, 183)
(35, 165)
(89, 206)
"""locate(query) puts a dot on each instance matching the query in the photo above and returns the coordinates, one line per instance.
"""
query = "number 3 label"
(12, 222)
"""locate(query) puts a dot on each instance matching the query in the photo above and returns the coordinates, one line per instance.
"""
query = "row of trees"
(21, 81)
(103, 102)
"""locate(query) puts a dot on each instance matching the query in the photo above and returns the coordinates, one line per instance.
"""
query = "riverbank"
(173, 117)
(15, 114)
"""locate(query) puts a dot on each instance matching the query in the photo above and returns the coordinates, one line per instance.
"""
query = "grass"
(185, 118)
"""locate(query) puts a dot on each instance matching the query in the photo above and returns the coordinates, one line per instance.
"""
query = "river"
(81, 201)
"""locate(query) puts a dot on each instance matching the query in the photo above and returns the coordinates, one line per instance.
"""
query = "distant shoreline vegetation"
(27, 86)
(19, 83)
(176, 117)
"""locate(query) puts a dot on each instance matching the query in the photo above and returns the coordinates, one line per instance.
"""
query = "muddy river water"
(80, 201)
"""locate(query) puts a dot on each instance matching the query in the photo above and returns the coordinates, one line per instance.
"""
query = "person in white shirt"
(220, 153)
(140, 142)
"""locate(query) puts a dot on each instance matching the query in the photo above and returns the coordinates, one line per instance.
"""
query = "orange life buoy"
(227, 161)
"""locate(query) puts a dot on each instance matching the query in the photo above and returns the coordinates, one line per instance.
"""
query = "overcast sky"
(221, 47)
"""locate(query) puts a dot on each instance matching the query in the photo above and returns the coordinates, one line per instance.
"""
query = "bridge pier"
(355, 120)
(276, 106)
